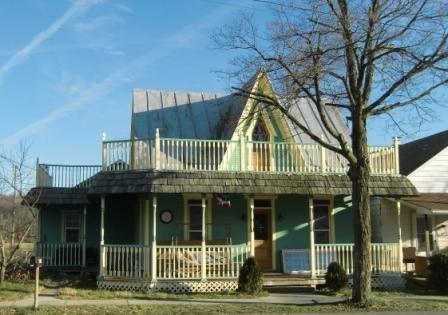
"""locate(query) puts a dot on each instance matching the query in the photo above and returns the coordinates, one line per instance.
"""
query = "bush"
(336, 277)
(438, 272)
(251, 277)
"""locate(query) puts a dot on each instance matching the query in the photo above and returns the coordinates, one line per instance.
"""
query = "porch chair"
(409, 254)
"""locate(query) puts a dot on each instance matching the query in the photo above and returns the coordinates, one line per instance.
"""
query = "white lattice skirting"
(170, 286)
(386, 280)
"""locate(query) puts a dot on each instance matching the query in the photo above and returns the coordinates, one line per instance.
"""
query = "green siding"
(93, 222)
(50, 230)
(292, 229)
(174, 203)
(343, 219)
(233, 219)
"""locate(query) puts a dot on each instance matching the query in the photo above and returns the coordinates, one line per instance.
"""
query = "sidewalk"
(274, 298)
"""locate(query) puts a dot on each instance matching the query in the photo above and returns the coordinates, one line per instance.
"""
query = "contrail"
(178, 39)
(77, 8)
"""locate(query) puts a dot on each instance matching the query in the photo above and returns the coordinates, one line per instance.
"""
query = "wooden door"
(263, 238)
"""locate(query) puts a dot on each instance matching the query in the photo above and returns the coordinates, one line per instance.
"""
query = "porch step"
(289, 289)
(286, 280)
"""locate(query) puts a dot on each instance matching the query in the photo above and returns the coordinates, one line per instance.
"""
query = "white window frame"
(331, 224)
(65, 213)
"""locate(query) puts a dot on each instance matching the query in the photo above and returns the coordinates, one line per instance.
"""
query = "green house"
(205, 181)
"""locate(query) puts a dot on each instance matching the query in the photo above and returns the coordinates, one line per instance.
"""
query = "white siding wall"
(432, 177)
(387, 221)
(407, 226)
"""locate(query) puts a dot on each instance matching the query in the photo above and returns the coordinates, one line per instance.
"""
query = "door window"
(321, 222)
(72, 227)
(261, 229)
(195, 226)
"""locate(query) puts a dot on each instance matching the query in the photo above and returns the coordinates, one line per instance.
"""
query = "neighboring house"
(215, 174)
(424, 218)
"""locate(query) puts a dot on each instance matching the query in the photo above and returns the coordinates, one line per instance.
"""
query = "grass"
(12, 291)
(377, 305)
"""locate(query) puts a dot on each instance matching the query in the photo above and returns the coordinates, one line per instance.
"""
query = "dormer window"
(260, 132)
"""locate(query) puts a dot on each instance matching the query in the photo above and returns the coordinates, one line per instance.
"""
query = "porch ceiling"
(250, 183)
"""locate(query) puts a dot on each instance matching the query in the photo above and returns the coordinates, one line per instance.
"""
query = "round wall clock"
(166, 216)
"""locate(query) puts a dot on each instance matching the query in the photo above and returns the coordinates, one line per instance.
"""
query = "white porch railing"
(172, 154)
(61, 254)
(126, 261)
(385, 257)
(185, 262)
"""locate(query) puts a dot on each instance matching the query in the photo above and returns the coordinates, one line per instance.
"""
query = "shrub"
(336, 277)
(251, 277)
(438, 272)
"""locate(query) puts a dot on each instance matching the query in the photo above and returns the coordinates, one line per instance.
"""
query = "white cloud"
(181, 38)
(77, 8)
(97, 23)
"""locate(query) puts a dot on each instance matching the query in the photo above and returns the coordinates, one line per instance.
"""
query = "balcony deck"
(193, 155)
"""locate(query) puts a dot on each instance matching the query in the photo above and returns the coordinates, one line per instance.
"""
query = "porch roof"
(58, 196)
(245, 182)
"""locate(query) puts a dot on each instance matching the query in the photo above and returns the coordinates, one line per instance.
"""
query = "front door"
(263, 238)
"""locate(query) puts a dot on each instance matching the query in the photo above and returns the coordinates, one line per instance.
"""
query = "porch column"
(146, 224)
(154, 244)
(312, 249)
(203, 256)
(252, 228)
(427, 238)
(400, 243)
(84, 237)
(102, 250)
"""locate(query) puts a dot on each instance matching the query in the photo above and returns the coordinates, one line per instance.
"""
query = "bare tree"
(18, 216)
(366, 58)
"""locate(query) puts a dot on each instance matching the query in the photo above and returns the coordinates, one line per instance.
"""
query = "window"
(72, 227)
(260, 133)
(321, 221)
(422, 226)
(195, 219)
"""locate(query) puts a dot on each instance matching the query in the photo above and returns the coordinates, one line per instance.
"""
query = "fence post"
(397, 154)
(103, 151)
(102, 249)
(154, 242)
(203, 256)
(157, 149)
(400, 245)
(84, 237)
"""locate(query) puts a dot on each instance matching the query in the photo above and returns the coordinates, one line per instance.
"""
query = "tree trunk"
(359, 174)
(2, 274)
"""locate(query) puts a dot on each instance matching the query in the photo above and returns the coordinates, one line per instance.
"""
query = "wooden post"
(323, 160)
(312, 248)
(103, 151)
(36, 287)
(272, 156)
(397, 154)
(154, 244)
(157, 150)
(400, 243)
(146, 227)
(102, 250)
(427, 238)
(252, 228)
(204, 248)
(242, 153)
(84, 238)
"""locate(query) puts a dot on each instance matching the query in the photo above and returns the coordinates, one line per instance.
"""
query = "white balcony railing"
(170, 154)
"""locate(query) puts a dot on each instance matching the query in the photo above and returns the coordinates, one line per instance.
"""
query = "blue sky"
(67, 68)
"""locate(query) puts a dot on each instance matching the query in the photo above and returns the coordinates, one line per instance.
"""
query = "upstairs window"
(260, 132)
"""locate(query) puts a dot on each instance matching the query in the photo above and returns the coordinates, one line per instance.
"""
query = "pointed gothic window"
(260, 133)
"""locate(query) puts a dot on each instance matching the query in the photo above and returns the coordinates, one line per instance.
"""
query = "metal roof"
(205, 115)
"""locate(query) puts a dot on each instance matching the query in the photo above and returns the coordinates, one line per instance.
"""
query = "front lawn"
(12, 291)
(180, 309)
